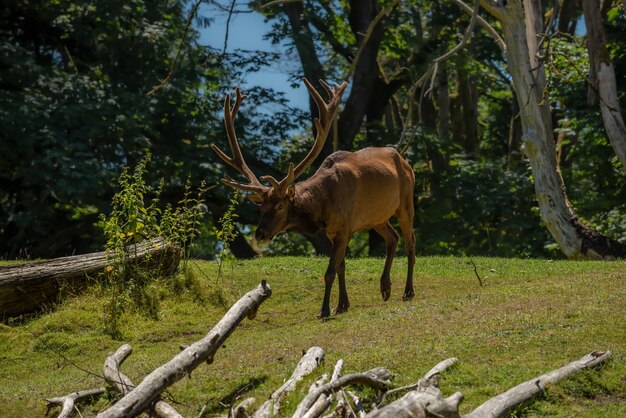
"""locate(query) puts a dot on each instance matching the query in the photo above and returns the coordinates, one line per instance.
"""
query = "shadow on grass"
(234, 396)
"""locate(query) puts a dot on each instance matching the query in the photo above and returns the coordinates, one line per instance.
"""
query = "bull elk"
(350, 192)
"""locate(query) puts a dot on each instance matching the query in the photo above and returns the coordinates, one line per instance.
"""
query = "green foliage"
(227, 232)
(492, 211)
(130, 285)
(75, 108)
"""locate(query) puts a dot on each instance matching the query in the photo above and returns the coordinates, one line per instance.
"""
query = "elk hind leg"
(344, 303)
(391, 240)
(405, 219)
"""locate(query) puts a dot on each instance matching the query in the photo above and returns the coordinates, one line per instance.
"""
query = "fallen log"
(501, 405)
(149, 390)
(377, 378)
(309, 361)
(32, 287)
(424, 400)
(68, 402)
(123, 384)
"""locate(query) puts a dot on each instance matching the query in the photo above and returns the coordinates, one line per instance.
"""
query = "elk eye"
(280, 206)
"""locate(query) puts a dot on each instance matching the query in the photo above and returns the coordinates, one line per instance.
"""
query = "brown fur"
(350, 192)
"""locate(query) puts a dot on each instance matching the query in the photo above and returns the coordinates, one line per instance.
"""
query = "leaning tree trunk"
(528, 74)
(31, 287)
(600, 63)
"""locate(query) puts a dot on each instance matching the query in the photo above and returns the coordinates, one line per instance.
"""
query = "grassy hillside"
(531, 316)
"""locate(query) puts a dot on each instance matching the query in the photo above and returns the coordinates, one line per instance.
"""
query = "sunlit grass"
(531, 316)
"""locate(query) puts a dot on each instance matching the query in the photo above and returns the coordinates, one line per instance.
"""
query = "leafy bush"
(131, 221)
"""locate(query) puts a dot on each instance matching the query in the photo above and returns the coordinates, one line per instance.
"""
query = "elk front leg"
(336, 257)
(391, 239)
(344, 303)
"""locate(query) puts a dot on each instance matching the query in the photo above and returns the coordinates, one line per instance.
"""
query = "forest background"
(89, 87)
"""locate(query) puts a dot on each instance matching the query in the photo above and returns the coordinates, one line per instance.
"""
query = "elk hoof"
(386, 294)
(324, 313)
(341, 308)
(408, 295)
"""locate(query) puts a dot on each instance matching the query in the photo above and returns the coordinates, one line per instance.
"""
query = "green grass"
(532, 316)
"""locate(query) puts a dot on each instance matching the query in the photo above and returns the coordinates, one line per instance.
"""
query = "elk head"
(276, 198)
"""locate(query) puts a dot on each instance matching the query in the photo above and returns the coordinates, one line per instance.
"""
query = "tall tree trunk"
(361, 15)
(515, 136)
(568, 16)
(443, 102)
(469, 98)
(574, 239)
(601, 66)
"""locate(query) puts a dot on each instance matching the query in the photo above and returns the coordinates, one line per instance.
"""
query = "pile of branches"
(325, 398)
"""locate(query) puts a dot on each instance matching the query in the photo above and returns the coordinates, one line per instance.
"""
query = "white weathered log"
(140, 399)
(500, 405)
(241, 411)
(377, 378)
(423, 398)
(423, 402)
(325, 399)
(68, 402)
(33, 286)
(113, 374)
(600, 64)
(359, 409)
(437, 370)
(308, 362)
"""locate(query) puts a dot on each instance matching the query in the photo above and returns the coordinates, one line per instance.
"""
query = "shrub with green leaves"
(133, 220)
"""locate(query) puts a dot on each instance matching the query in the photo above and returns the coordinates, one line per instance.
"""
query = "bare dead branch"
(428, 377)
(482, 22)
(377, 378)
(68, 402)
(500, 405)
(140, 399)
(124, 385)
(309, 362)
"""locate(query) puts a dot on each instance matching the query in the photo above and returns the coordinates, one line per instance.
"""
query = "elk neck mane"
(308, 212)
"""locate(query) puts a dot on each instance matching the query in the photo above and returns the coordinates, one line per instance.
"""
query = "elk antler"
(322, 123)
(237, 161)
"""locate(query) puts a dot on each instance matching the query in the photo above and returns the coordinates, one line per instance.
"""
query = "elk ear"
(255, 198)
(291, 191)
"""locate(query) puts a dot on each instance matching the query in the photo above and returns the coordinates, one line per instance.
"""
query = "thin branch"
(482, 22)
(68, 402)
(275, 2)
(230, 14)
(480, 281)
(170, 74)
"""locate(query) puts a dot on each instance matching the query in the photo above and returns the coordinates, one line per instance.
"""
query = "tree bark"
(568, 16)
(602, 67)
(140, 398)
(573, 238)
(361, 15)
(32, 287)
